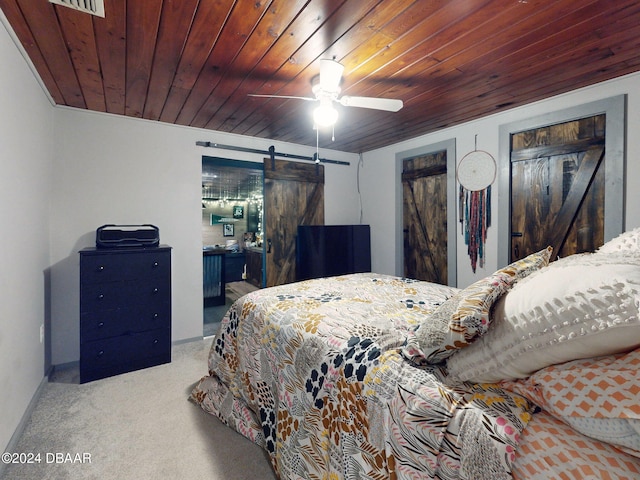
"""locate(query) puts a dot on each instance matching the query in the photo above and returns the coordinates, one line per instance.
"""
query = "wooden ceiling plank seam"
(417, 71)
(570, 54)
(143, 19)
(304, 65)
(293, 66)
(280, 59)
(432, 65)
(300, 114)
(323, 43)
(577, 75)
(24, 35)
(207, 27)
(465, 116)
(446, 105)
(288, 43)
(348, 17)
(186, 78)
(219, 59)
(79, 36)
(234, 35)
(395, 136)
(532, 62)
(45, 28)
(280, 55)
(526, 59)
(413, 64)
(542, 38)
(477, 6)
(110, 33)
(176, 19)
(378, 22)
(436, 23)
(386, 84)
(311, 56)
(505, 25)
(269, 31)
(462, 112)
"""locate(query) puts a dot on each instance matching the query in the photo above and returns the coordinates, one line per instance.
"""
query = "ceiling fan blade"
(388, 104)
(330, 75)
(282, 96)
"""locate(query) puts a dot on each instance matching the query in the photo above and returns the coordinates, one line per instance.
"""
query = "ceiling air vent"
(94, 7)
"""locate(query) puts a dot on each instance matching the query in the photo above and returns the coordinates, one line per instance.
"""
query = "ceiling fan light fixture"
(330, 75)
(325, 115)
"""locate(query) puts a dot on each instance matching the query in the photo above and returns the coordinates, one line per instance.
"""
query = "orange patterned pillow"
(598, 397)
(549, 448)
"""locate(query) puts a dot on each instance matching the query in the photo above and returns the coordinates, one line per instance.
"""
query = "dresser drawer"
(110, 323)
(110, 296)
(112, 356)
(145, 264)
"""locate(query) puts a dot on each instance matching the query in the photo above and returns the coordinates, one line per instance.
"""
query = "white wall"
(110, 169)
(26, 156)
(380, 182)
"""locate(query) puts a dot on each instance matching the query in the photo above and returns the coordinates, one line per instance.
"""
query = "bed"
(529, 373)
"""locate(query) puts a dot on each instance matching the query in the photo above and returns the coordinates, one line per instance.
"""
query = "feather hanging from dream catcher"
(476, 172)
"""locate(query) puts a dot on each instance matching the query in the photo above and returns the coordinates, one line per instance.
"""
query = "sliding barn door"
(424, 186)
(558, 188)
(294, 195)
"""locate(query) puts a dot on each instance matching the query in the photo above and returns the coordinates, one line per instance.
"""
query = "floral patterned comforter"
(313, 373)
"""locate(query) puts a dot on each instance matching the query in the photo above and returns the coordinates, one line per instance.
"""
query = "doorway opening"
(232, 233)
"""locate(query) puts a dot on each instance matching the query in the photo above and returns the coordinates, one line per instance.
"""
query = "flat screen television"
(330, 250)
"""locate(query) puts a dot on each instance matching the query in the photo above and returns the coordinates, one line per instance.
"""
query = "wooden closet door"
(294, 195)
(424, 186)
(558, 187)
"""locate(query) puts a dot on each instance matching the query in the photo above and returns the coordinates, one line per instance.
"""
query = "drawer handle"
(156, 316)
(101, 296)
(155, 342)
(101, 268)
(101, 324)
(155, 264)
(100, 353)
(155, 290)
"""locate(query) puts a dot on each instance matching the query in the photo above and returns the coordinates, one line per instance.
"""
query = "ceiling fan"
(326, 90)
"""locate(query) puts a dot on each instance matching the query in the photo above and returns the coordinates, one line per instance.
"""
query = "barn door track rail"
(271, 152)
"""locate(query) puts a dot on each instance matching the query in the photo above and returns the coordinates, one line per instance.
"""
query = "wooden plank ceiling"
(194, 62)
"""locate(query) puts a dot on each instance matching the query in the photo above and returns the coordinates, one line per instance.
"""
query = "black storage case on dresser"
(125, 310)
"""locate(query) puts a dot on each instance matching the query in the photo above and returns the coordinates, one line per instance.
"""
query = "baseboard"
(17, 434)
(186, 340)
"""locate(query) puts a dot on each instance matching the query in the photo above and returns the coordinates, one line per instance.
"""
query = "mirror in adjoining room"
(232, 233)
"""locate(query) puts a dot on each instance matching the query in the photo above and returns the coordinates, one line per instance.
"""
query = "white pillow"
(581, 306)
(627, 242)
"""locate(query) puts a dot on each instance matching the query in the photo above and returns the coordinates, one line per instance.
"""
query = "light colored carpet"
(135, 426)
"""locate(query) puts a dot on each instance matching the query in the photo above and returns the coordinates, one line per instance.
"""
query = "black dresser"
(125, 310)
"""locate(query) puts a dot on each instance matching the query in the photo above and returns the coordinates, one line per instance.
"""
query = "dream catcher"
(476, 172)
